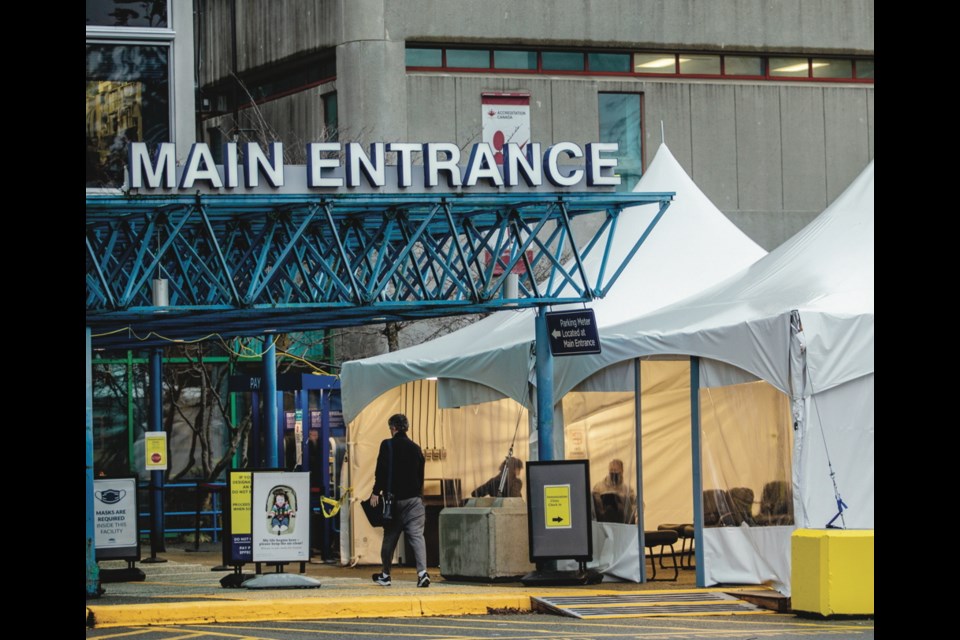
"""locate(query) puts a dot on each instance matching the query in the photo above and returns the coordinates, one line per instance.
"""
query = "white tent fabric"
(825, 272)
(692, 247)
(801, 319)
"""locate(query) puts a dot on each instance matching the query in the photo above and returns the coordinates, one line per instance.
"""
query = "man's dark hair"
(399, 422)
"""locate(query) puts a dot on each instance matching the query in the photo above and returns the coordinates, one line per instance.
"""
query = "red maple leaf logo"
(491, 113)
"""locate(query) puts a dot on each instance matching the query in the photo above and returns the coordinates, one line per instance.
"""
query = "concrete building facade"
(771, 148)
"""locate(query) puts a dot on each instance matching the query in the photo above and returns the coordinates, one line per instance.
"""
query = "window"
(790, 67)
(654, 63)
(468, 58)
(424, 57)
(526, 60)
(330, 121)
(743, 65)
(699, 65)
(562, 61)
(620, 123)
(128, 100)
(831, 68)
(865, 69)
(124, 13)
(609, 62)
(128, 83)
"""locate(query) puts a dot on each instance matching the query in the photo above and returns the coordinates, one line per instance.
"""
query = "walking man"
(406, 485)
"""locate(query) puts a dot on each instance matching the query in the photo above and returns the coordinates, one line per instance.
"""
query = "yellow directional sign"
(556, 506)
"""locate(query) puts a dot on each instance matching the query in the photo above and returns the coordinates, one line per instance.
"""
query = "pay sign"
(155, 448)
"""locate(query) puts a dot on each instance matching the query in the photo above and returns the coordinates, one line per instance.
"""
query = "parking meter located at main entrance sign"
(558, 495)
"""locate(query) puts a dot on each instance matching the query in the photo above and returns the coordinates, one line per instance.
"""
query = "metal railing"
(213, 515)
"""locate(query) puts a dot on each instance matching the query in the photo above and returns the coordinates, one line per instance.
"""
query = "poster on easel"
(280, 515)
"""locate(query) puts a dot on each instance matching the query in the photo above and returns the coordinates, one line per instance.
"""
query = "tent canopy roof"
(691, 248)
(825, 272)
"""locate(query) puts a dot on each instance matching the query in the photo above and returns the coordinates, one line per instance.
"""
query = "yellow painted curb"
(135, 615)
(329, 608)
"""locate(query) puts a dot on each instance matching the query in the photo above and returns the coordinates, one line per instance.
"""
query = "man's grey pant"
(409, 517)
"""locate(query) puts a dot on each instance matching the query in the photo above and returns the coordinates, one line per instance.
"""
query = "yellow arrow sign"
(556, 506)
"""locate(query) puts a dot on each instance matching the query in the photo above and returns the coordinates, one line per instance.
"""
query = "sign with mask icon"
(115, 518)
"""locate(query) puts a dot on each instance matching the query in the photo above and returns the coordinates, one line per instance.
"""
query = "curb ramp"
(646, 605)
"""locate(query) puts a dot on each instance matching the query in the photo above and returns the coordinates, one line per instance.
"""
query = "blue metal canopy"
(254, 264)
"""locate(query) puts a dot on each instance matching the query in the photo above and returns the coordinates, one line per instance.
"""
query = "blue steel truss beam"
(240, 265)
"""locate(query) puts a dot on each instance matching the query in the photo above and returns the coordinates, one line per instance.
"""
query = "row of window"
(641, 63)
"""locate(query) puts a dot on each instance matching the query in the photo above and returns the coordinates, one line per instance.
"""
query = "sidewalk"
(185, 590)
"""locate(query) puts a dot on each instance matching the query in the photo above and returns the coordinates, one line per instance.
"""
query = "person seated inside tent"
(514, 484)
(613, 500)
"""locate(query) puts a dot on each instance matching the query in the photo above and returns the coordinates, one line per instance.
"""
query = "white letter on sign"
(316, 165)
(595, 164)
(553, 171)
(138, 160)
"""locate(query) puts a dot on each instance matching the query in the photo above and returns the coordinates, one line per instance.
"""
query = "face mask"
(616, 478)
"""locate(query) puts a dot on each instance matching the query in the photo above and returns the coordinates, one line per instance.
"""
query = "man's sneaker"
(424, 580)
(384, 580)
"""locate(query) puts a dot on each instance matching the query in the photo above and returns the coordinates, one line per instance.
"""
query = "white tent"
(486, 368)
(692, 247)
(801, 319)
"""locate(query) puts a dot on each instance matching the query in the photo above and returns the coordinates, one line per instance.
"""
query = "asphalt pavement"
(187, 589)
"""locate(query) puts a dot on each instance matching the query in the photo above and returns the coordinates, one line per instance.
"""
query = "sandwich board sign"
(115, 518)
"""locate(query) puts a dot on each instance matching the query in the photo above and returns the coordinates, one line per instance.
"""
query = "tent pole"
(270, 413)
(157, 530)
(695, 436)
(545, 445)
(638, 421)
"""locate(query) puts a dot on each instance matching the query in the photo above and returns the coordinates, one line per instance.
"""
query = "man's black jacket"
(408, 464)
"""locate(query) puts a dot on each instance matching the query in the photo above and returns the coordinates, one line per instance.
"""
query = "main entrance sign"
(332, 165)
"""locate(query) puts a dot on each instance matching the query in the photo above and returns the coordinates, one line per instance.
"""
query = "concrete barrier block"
(487, 542)
(832, 571)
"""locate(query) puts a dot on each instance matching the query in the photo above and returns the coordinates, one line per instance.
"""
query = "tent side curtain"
(748, 498)
(463, 447)
(837, 435)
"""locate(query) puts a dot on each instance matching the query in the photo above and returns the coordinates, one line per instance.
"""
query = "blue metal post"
(281, 428)
(255, 432)
(695, 436)
(93, 570)
(156, 424)
(325, 441)
(302, 399)
(270, 412)
(545, 445)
